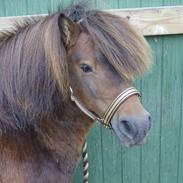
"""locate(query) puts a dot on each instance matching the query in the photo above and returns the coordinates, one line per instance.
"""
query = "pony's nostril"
(149, 118)
(127, 128)
(148, 122)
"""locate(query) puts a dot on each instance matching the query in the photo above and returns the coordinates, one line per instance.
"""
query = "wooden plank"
(171, 108)
(107, 4)
(150, 21)
(180, 155)
(111, 153)
(2, 9)
(151, 99)
(11, 8)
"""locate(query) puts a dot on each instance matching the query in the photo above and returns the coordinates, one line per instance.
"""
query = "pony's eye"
(86, 68)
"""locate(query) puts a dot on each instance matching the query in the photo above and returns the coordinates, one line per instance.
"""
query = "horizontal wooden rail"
(150, 21)
(155, 21)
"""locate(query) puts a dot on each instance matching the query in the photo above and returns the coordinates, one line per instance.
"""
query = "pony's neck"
(64, 139)
(48, 153)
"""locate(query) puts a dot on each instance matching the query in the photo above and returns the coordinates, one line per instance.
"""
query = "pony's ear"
(69, 30)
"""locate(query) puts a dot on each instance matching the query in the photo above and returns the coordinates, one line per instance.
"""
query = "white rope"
(85, 163)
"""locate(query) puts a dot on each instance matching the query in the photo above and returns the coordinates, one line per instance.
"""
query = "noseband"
(112, 108)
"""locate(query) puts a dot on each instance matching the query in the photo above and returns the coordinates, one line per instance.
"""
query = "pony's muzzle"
(135, 128)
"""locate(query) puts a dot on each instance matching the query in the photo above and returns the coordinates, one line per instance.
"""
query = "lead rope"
(85, 163)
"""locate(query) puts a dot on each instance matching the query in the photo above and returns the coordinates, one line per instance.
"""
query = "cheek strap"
(82, 107)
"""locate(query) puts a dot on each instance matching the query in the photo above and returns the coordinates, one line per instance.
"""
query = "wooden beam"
(150, 21)
(155, 21)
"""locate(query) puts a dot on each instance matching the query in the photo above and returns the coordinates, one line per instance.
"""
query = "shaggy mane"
(18, 27)
(30, 55)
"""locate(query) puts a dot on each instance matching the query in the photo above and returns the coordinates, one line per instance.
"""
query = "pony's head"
(104, 54)
(95, 53)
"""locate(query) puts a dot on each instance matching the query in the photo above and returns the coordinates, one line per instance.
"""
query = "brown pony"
(41, 130)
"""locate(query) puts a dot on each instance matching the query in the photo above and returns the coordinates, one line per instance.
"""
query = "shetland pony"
(41, 130)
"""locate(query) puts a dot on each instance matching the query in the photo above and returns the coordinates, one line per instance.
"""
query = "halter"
(112, 108)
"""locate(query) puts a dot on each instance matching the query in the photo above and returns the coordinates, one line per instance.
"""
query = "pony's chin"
(125, 142)
(129, 143)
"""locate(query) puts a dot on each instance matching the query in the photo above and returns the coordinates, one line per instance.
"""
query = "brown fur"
(42, 131)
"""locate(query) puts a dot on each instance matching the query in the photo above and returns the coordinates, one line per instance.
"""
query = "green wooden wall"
(160, 160)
